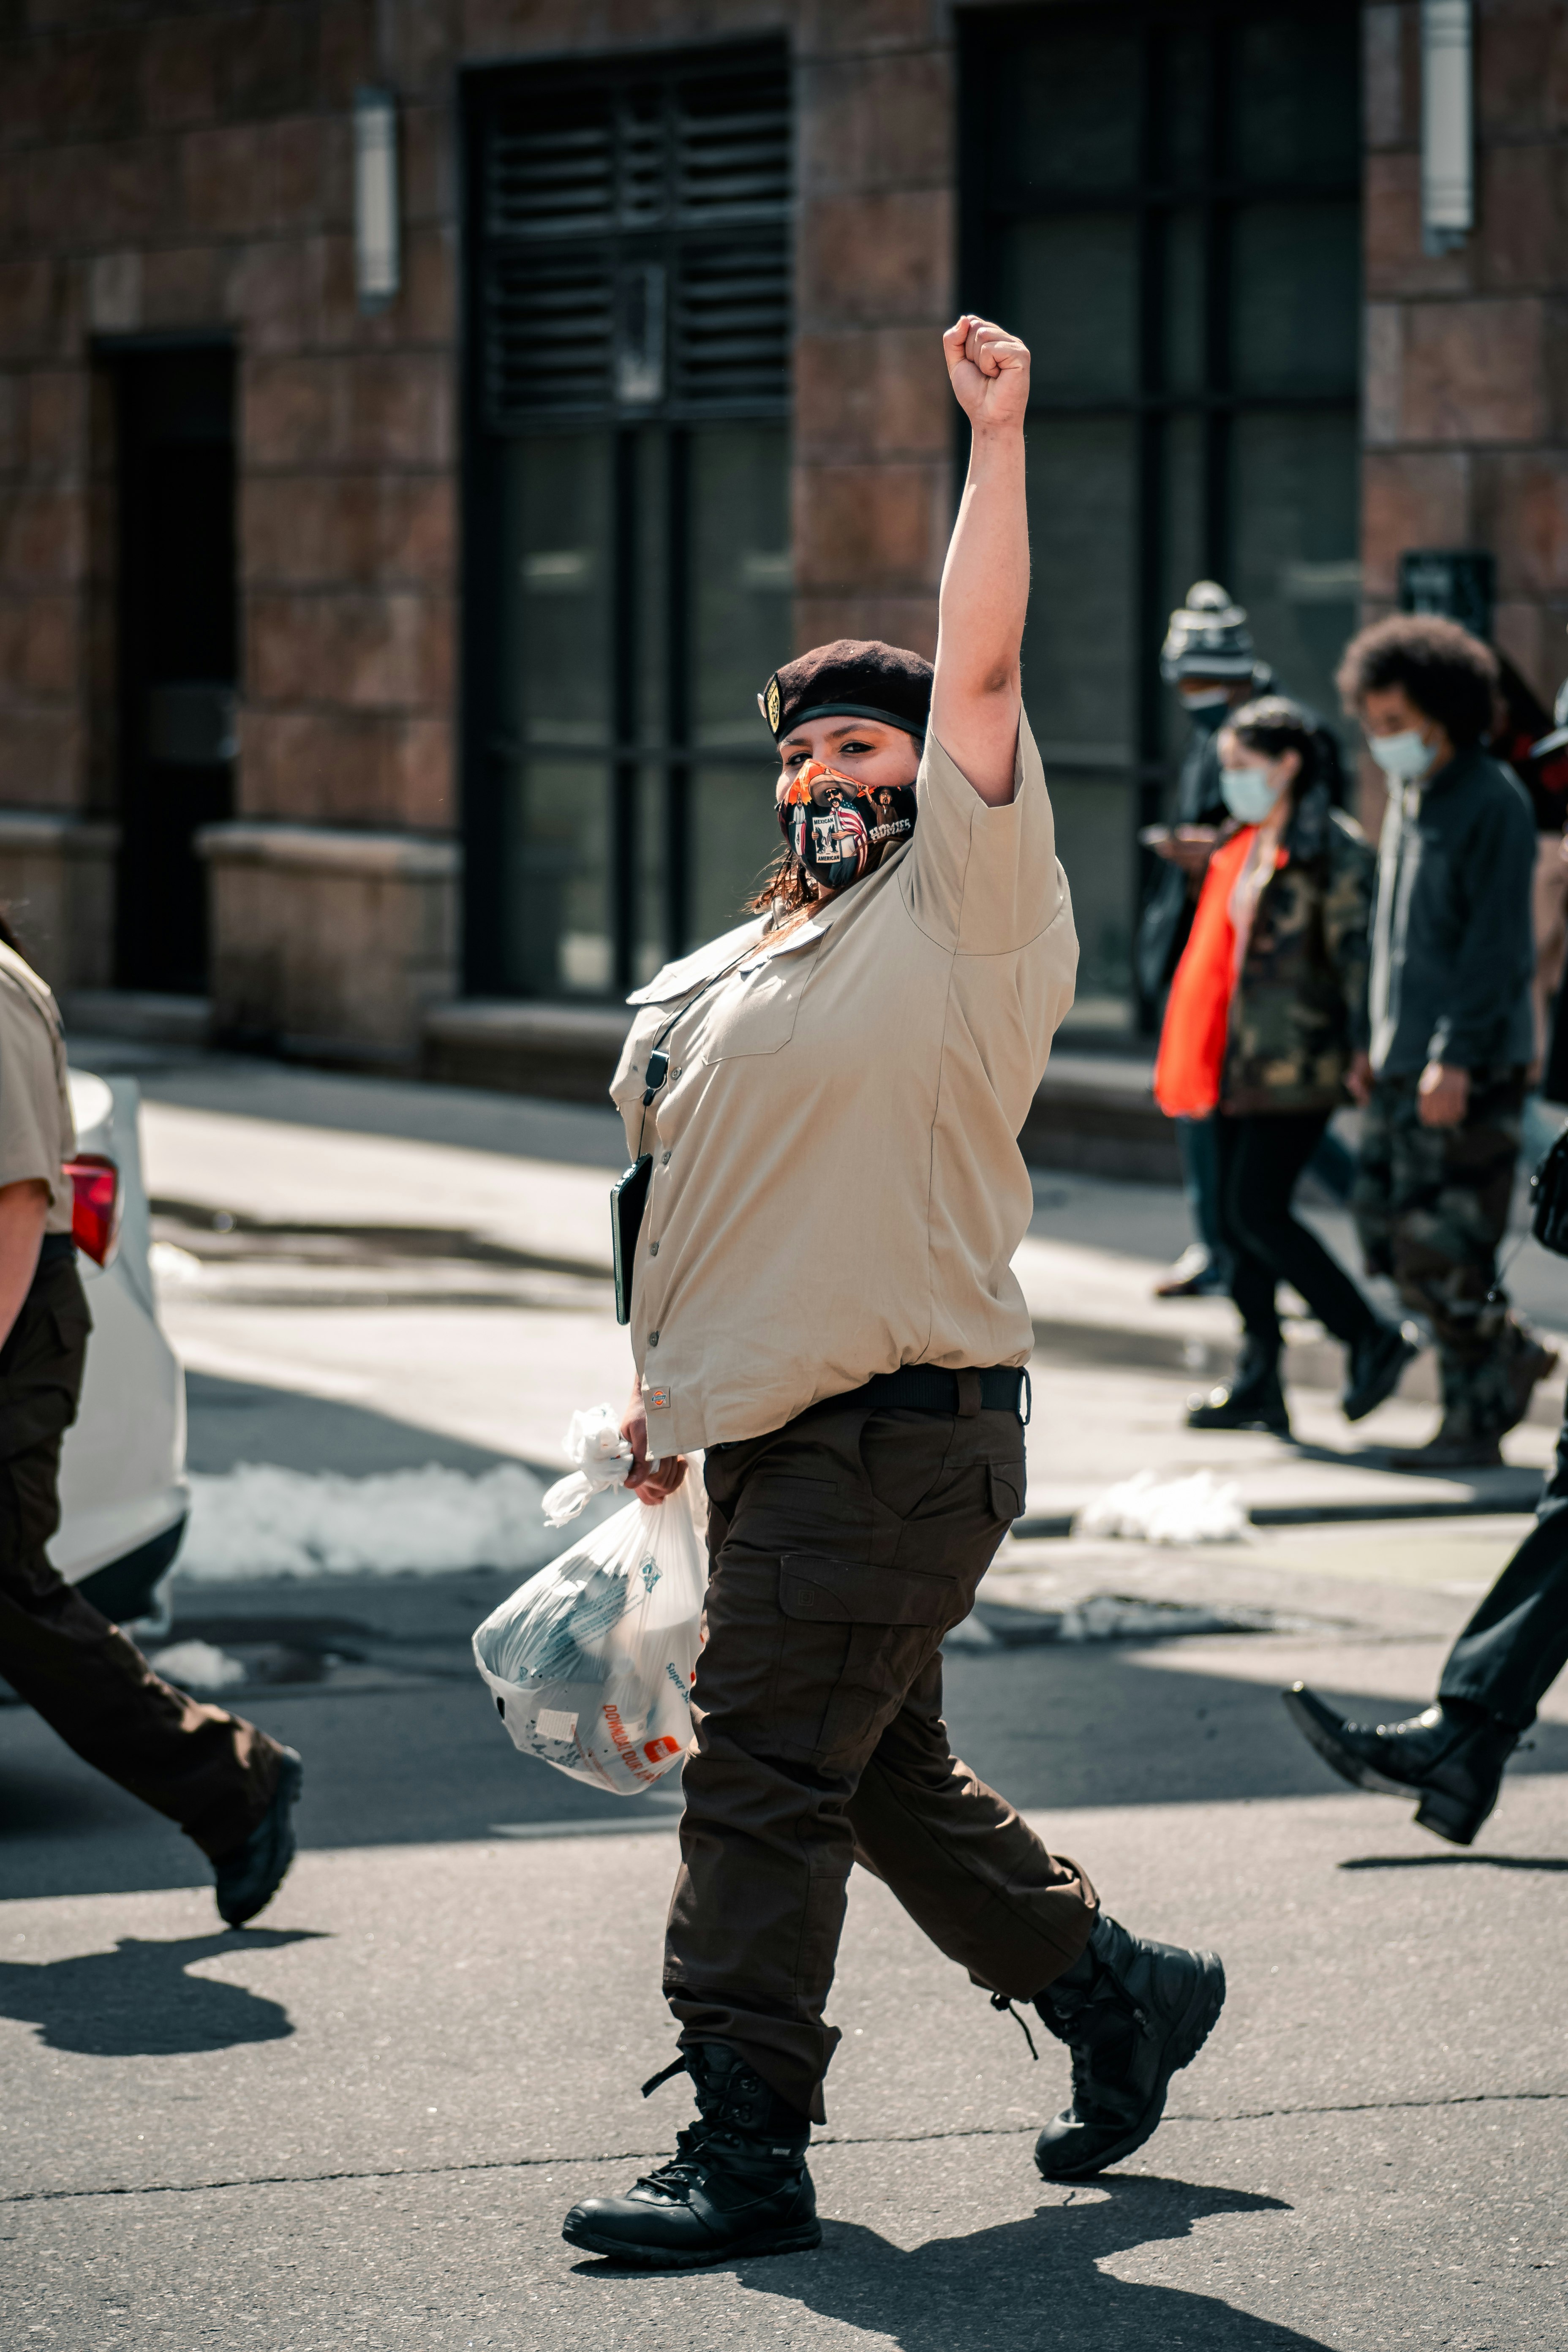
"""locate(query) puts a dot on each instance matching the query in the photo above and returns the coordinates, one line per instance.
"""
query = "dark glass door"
(178, 652)
(627, 518)
(1165, 200)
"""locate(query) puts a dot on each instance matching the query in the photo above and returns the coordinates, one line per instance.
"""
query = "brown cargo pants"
(842, 1549)
(211, 1772)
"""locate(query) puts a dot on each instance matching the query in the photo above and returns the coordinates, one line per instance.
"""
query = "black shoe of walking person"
(1133, 2014)
(1451, 1756)
(249, 1875)
(1376, 1368)
(737, 2184)
(1252, 1399)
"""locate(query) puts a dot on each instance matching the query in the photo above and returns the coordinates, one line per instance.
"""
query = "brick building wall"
(1465, 418)
(164, 172)
(161, 174)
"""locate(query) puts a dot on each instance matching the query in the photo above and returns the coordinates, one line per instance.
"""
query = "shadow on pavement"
(138, 2002)
(1023, 2283)
(1455, 1862)
(429, 1764)
(1111, 1726)
(518, 1126)
(241, 1420)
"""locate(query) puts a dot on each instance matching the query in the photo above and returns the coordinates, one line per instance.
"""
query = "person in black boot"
(736, 2185)
(1133, 2014)
(1252, 1400)
(1451, 1756)
(877, 1032)
(231, 1787)
(1265, 1011)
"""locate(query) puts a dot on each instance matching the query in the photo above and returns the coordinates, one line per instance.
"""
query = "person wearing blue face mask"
(1266, 1012)
(1208, 660)
(1451, 1022)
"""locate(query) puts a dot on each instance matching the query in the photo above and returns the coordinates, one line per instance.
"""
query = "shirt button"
(653, 1249)
(665, 1161)
(653, 1338)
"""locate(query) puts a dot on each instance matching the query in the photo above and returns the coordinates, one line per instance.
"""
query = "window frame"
(486, 751)
(985, 38)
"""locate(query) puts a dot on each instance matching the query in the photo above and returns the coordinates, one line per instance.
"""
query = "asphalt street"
(359, 2122)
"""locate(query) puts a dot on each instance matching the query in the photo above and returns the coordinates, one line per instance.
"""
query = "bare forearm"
(975, 697)
(985, 580)
(23, 1209)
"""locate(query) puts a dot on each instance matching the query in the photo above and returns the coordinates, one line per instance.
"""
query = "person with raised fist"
(825, 1105)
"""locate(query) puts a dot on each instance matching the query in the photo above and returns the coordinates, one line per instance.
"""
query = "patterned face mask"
(840, 828)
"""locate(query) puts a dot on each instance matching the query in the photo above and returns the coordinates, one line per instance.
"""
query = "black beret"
(854, 678)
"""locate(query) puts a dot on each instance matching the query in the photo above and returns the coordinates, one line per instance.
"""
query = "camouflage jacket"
(1299, 1008)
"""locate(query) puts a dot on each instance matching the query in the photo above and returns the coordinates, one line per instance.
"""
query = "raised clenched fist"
(989, 370)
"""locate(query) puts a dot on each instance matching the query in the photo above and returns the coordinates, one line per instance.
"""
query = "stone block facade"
(164, 175)
(334, 944)
(1465, 418)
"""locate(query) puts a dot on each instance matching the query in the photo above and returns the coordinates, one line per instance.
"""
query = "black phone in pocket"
(628, 1199)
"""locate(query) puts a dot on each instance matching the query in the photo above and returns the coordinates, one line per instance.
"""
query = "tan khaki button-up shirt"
(36, 1130)
(837, 1185)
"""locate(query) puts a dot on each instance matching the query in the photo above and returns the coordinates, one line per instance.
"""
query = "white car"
(124, 1495)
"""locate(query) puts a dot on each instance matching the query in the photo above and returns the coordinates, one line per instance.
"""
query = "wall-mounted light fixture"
(1448, 132)
(378, 261)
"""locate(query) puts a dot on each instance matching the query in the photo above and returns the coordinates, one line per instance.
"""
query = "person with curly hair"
(1452, 1032)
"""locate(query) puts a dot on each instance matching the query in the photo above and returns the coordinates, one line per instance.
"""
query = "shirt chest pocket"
(755, 1011)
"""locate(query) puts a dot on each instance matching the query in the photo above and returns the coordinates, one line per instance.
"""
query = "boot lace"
(1104, 2005)
(679, 2174)
(719, 2142)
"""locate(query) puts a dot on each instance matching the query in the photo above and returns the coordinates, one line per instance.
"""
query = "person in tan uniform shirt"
(825, 1106)
(230, 1787)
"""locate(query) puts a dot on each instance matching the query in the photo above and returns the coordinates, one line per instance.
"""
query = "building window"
(1165, 200)
(628, 567)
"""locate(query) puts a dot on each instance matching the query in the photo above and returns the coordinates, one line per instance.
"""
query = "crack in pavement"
(646, 2155)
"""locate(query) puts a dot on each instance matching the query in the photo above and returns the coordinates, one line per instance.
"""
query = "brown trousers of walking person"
(212, 1772)
(843, 1548)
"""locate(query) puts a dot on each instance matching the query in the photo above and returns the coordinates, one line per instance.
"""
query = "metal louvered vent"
(732, 146)
(636, 244)
(550, 340)
(550, 172)
(731, 330)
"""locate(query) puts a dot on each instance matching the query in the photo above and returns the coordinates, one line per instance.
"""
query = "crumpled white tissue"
(1151, 1509)
(593, 1442)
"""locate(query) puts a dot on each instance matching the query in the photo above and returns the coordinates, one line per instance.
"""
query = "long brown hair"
(785, 886)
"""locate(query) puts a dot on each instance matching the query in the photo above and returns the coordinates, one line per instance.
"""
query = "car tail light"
(95, 1209)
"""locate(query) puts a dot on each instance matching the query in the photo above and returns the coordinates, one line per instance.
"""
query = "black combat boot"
(737, 2184)
(249, 1875)
(1451, 1756)
(1131, 2014)
(1251, 1399)
(1376, 1368)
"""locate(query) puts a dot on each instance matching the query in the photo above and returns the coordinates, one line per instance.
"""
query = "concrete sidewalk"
(476, 1227)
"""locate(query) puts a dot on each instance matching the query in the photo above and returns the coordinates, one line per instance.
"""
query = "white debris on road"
(197, 1667)
(257, 1520)
(1148, 1509)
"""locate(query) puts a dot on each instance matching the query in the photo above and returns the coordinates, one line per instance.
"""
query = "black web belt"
(929, 1387)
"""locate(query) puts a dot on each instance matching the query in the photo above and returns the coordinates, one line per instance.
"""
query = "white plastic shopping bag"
(592, 1661)
(600, 1457)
